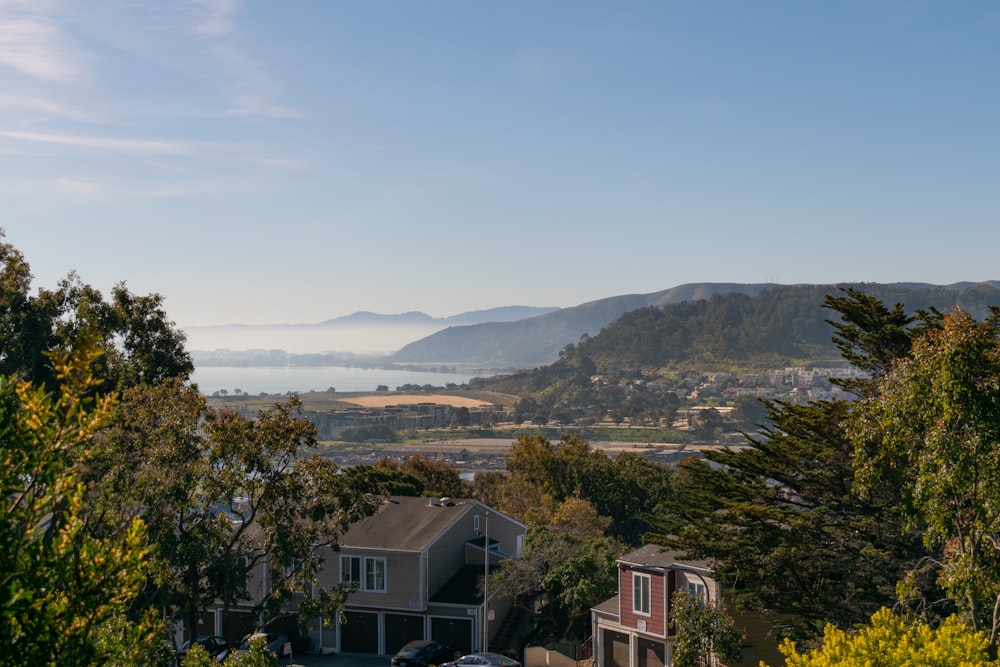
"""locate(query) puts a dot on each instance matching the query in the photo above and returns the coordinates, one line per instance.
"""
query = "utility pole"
(486, 585)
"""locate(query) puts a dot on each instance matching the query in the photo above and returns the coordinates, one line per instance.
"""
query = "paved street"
(339, 660)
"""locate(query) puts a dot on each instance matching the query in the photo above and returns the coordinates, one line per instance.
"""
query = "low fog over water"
(306, 338)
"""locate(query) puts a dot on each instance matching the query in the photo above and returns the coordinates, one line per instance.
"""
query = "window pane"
(350, 569)
(640, 594)
(374, 574)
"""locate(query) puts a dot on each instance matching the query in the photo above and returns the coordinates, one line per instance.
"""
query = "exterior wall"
(503, 530)
(446, 555)
(656, 622)
(402, 581)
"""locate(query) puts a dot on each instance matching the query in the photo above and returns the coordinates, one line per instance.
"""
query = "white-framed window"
(368, 572)
(350, 569)
(475, 523)
(641, 585)
(697, 591)
(374, 574)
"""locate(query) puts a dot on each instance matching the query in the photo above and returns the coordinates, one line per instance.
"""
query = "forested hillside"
(537, 341)
(780, 326)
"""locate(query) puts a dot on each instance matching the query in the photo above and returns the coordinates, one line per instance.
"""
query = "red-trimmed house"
(632, 629)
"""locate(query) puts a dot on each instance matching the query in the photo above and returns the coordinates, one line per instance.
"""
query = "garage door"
(455, 632)
(651, 654)
(616, 652)
(360, 633)
(402, 628)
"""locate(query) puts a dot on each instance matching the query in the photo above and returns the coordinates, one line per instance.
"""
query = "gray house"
(419, 564)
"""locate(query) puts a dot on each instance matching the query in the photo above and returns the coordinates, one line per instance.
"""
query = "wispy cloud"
(33, 42)
(253, 91)
(154, 146)
(59, 192)
(215, 17)
(42, 106)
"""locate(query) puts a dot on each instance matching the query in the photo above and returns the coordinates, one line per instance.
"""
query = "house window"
(375, 574)
(697, 591)
(475, 523)
(640, 593)
(368, 573)
(350, 569)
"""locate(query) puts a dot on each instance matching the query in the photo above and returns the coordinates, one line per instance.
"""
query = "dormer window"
(641, 585)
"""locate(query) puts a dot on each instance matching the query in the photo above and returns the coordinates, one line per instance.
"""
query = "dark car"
(423, 653)
(483, 660)
(214, 645)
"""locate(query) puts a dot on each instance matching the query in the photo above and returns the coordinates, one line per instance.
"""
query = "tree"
(59, 582)
(438, 478)
(704, 632)
(223, 495)
(625, 488)
(890, 641)
(781, 519)
(749, 411)
(571, 565)
(140, 344)
(932, 427)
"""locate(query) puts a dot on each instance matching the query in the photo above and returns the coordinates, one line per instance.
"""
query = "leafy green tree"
(749, 411)
(570, 566)
(933, 428)
(126, 643)
(223, 495)
(780, 517)
(624, 488)
(384, 478)
(257, 655)
(704, 632)
(438, 477)
(890, 641)
(59, 582)
(140, 344)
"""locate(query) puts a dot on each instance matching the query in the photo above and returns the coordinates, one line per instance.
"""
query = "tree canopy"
(140, 344)
(59, 581)
(891, 641)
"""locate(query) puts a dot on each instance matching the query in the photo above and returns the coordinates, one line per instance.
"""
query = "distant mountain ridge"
(362, 332)
(500, 314)
(537, 341)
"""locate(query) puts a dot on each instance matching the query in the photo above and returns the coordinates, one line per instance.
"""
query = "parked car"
(275, 642)
(423, 653)
(483, 660)
(214, 645)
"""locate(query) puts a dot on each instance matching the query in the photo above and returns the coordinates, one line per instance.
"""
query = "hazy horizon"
(302, 339)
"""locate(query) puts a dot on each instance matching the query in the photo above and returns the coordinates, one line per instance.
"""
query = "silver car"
(483, 660)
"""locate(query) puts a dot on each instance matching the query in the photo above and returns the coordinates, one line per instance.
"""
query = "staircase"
(506, 636)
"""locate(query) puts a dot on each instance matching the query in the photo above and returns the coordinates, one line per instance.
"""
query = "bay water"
(255, 380)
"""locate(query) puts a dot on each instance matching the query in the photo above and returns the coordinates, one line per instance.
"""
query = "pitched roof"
(406, 523)
(653, 555)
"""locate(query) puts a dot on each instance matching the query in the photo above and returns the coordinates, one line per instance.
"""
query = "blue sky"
(272, 162)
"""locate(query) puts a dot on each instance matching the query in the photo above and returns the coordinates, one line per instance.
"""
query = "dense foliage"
(932, 428)
(891, 641)
(98, 427)
(781, 517)
(703, 632)
(59, 582)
